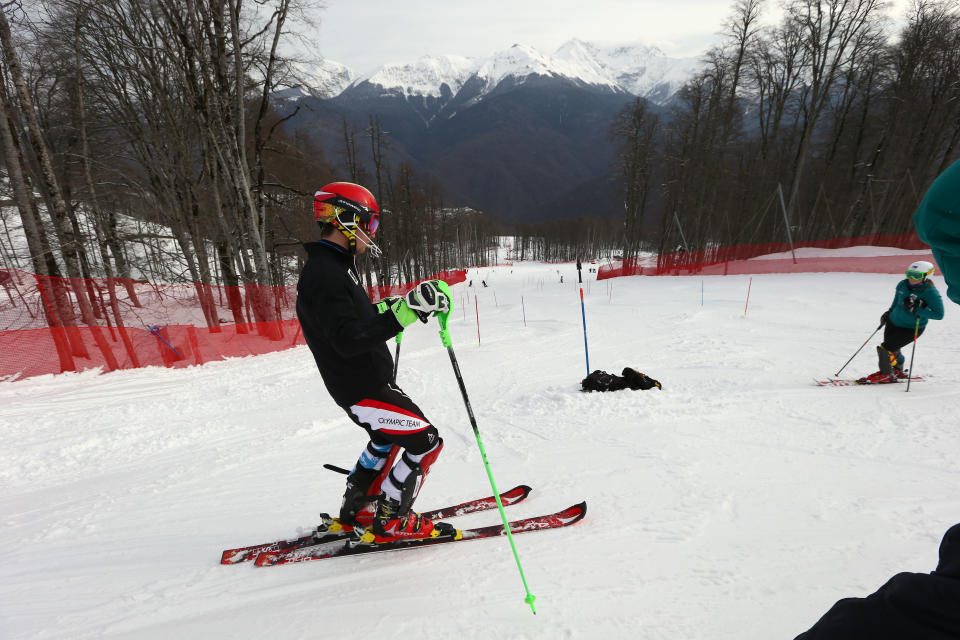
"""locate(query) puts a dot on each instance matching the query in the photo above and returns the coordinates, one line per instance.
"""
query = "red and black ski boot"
(390, 524)
(877, 378)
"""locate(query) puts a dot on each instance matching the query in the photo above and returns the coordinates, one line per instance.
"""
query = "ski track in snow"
(740, 492)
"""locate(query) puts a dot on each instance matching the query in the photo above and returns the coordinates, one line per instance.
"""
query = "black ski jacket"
(343, 329)
(910, 606)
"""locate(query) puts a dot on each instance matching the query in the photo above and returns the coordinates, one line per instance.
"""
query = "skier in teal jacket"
(915, 302)
(938, 224)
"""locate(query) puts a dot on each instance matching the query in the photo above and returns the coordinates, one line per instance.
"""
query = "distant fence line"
(743, 259)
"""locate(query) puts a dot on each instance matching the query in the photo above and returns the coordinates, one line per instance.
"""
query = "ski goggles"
(917, 275)
(371, 226)
(368, 221)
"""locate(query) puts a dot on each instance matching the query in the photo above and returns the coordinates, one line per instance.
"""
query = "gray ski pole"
(448, 343)
(858, 350)
(913, 352)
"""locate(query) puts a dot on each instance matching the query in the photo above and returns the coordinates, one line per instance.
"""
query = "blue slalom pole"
(155, 330)
(583, 313)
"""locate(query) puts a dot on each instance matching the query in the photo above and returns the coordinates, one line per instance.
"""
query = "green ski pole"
(448, 343)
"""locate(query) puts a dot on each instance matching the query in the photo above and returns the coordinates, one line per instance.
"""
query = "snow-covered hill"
(738, 503)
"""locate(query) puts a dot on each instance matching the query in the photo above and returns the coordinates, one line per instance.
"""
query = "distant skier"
(916, 298)
(910, 606)
(938, 224)
(347, 335)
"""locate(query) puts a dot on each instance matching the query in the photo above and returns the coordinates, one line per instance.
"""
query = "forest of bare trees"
(140, 140)
(159, 115)
(819, 126)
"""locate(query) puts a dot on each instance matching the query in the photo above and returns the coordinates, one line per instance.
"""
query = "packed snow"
(740, 502)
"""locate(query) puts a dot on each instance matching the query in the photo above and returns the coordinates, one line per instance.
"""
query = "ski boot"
(389, 524)
(356, 510)
(898, 368)
(392, 524)
(877, 378)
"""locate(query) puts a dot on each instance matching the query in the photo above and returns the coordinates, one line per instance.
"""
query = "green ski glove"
(387, 303)
(404, 314)
(430, 298)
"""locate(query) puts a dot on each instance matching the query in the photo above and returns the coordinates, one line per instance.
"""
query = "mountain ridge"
(521, 135)
(633, 68)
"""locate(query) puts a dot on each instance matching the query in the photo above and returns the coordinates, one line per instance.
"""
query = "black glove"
(885, 318)
(910, 302)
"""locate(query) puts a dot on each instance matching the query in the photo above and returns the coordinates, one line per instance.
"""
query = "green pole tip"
(530, 599)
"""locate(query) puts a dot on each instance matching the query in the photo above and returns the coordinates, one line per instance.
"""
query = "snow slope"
(738, 503)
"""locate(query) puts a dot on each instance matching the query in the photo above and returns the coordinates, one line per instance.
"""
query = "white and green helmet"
(920, 270)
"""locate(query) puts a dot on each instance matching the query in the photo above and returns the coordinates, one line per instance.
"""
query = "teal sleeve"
(934, 308)
(938, 224)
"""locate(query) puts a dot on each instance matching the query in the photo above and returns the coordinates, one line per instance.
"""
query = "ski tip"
(522, 489)
(573, 513)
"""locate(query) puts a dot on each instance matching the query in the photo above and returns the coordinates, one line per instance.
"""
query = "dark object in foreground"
(910, 606)
(629, 379)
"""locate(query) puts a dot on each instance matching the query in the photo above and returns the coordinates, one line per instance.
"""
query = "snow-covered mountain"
(324, 79)
(634, 69)
(425, 77)
(534, 124)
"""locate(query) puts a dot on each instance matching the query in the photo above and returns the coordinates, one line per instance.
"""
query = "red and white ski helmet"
(919, 271)
(351, 208)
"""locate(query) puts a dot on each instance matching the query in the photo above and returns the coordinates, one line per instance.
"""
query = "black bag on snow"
(630, 378)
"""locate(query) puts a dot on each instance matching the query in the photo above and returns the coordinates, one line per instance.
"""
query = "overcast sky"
(364, 34)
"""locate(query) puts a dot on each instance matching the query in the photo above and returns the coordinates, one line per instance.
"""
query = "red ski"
(849, 382)
(352, 546)
(330, 529)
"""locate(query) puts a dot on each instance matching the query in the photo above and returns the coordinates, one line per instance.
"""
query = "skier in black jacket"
(910, 606)
(347, 335)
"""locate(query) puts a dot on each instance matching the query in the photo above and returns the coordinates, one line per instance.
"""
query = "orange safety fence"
(54, 325)
(777, 257)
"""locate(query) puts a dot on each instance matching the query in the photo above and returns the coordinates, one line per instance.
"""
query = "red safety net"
(53, 325)
(778, 257)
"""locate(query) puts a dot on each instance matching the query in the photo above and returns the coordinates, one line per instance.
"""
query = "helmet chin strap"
(372, 247)
(352, 231)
